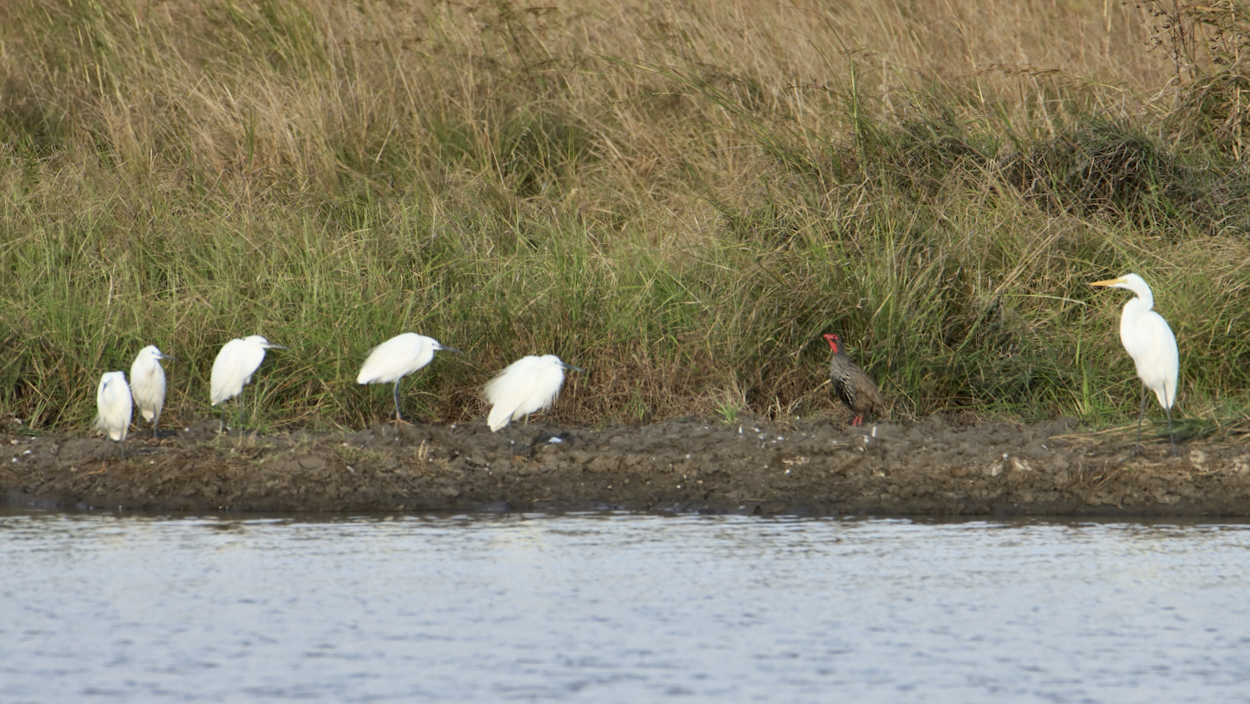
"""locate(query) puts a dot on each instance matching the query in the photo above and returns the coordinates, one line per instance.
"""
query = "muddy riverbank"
(687, 464)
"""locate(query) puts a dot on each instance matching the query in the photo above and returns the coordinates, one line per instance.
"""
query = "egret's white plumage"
(1149, 341)
(235, 364)
(113, 405)
(398, 357)
(147, 384)
(529, 384)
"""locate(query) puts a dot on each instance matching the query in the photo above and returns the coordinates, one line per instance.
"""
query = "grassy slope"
(679, 197)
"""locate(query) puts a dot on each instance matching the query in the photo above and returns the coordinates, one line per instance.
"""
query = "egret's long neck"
(1133, 311)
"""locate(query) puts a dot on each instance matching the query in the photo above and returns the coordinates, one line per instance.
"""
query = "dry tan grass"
(308, 92)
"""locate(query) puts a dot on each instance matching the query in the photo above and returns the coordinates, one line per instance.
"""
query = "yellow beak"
(1108, 282)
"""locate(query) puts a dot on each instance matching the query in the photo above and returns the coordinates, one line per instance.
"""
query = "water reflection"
(619, 608)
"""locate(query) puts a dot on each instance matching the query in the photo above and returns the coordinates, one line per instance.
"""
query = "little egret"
(235, 364)
(113, 405)
(147, 384)
(529, 384)
(856, 389)
(1150, 342)
(398, 357)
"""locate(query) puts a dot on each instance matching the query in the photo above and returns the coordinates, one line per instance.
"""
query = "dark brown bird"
(854, 387)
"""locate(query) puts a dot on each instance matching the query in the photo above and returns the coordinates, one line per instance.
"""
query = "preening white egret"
(398, 357)
(529, 384)
(1151, 344)
(147, 384)
(113, 405)
(235, 364)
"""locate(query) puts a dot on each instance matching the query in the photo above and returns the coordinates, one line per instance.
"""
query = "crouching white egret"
(235, 364)
(113, 405)
(398, 357)
(529, 384)
(147, 384)
(1150, 342)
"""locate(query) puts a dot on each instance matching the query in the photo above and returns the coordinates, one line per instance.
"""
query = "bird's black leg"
(1140, 416)
(398, 419)
(529, 452)
(223, 427)
(525, 426)
(240, 408)
(511, 441)
(1171, 435)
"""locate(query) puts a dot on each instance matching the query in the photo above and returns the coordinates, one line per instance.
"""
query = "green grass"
(679, 207)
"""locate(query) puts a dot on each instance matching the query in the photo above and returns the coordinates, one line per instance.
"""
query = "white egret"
(235, 364)
(398, 357)
(113, 405)
(147, 384)
(1150, 342)
(529, 384)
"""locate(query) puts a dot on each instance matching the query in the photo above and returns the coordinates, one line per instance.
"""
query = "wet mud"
(930, 467)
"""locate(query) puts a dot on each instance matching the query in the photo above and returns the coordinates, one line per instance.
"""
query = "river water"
(619, 608)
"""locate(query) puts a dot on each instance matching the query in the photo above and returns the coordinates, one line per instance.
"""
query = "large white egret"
(147, 384)
(529, 384)
(235, 364)
(113, 405)
(398, 357)
(1150, 342)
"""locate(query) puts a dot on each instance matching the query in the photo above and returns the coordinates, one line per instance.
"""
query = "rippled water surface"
(626, 608)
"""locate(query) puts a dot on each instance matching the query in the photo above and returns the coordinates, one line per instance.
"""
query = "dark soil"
(684, 465)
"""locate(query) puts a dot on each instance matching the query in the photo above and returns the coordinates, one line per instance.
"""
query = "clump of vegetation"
(678, 197)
